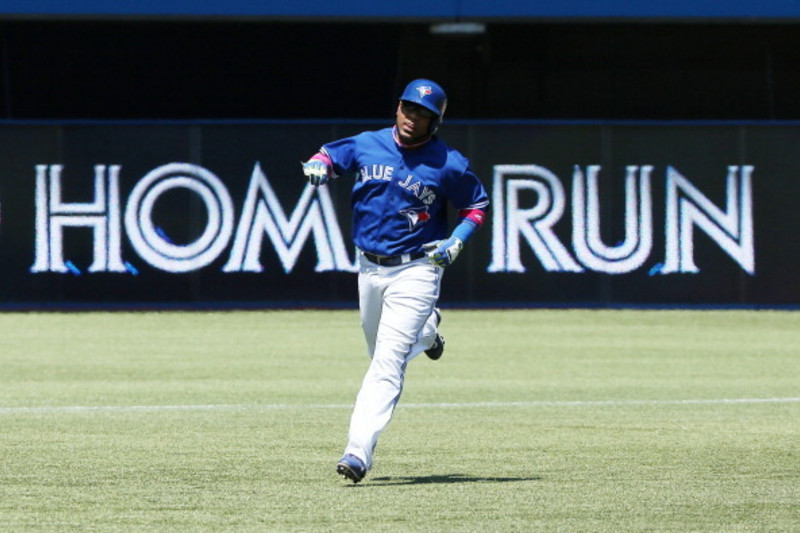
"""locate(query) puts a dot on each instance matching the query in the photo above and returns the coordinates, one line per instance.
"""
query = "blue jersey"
(400, 195)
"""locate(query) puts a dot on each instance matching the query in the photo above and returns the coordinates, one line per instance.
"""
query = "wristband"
(464, 230)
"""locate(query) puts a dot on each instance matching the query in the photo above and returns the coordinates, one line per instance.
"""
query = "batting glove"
(443, 253)
(317, 172)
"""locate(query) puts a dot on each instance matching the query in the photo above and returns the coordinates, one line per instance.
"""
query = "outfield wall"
(219, 214)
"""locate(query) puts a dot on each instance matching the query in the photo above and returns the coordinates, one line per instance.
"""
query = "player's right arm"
(318, 169)
(332, 160)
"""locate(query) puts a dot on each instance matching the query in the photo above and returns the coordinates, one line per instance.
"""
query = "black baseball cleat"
(351, 467)
(436, 351)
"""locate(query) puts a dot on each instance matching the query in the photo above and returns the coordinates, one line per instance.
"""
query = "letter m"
(263, 215)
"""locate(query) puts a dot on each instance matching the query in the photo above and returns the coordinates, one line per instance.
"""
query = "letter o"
(161, 253)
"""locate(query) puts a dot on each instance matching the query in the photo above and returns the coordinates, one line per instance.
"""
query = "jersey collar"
(401, 144)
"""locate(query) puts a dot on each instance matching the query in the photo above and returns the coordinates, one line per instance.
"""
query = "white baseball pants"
(397, 317)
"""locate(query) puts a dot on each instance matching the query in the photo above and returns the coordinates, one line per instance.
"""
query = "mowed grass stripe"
(445, 405)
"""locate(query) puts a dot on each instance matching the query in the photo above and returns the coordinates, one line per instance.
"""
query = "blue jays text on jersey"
(400, 194)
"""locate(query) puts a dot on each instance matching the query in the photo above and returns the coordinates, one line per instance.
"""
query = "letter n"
(731, 229)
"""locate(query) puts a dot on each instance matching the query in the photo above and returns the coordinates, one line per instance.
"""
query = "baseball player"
(404, 178)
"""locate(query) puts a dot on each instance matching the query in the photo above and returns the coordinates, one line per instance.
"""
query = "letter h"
(101, 215)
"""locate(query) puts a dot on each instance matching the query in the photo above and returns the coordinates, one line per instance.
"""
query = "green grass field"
(533, 420)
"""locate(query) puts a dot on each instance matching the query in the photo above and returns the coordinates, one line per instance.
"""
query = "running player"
(404, 178)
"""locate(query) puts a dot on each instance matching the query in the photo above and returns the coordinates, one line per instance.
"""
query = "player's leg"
(409, 296)
(371, 285)
(370, 302)
(428, 335)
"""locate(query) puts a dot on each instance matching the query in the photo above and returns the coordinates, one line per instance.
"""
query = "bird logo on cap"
(424, 90)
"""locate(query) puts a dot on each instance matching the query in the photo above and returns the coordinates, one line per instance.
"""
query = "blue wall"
(446, 9)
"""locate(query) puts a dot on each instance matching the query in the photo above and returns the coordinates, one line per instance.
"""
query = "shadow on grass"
(445, 479)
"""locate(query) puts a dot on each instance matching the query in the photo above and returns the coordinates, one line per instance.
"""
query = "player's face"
(413, 122)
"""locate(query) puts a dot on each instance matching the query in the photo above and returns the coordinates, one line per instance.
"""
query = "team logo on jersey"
(415, 216)
(424, 90)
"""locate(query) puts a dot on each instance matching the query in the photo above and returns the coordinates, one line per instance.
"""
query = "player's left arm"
(444, 253)
(470, 219)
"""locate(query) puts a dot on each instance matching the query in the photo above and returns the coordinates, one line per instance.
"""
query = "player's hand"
(443, 253)
(317, 172)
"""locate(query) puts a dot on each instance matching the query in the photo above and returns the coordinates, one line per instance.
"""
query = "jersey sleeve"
(466, 192)
(342, 154)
